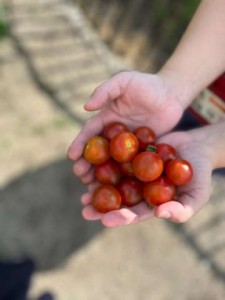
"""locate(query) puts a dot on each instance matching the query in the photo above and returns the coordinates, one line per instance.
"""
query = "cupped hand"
(190, 197)
(133, 98)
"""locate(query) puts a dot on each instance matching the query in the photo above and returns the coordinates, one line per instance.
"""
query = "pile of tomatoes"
(131, 167)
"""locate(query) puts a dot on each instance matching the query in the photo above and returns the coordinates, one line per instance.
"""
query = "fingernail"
(164, 215)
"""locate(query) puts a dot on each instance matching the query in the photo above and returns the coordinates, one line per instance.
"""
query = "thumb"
(107, 91)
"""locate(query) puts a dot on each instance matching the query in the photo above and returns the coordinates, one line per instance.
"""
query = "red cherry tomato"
(145, 136)
(130, 190)
(113, 129)
(108, 172)
(96, 150)
(106, 198)
(179, 171)
(147, 166)
(158, 191)
(166, 152)
(126, 169)
(124, 146)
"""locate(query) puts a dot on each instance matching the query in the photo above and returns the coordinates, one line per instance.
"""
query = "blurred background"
(53, 53)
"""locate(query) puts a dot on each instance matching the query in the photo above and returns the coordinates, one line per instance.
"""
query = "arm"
(158, 101)
(200, 56)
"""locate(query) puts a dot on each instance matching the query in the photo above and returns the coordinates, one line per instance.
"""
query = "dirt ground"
(40, 207)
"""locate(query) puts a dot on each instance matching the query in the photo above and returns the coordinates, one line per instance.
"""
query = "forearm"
(200, 56)
(213, 139)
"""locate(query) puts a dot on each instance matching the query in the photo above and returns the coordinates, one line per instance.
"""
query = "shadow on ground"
(40, 216)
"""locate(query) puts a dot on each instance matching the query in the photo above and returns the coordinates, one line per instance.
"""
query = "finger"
(126, 216)
(86, 198)
(91, 214)
(92, 186)
(89, 177)
(174, 211)
(81, 167)
(107, 91)
(92, 127)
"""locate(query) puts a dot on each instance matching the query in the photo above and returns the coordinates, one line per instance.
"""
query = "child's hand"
(191, 197)
(135, 99)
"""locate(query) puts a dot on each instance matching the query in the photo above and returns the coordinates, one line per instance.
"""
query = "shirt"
(209, 106)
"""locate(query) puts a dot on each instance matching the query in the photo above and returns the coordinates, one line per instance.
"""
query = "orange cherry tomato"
(147, 166)
(179, 171)
(106, 198)
(158, 191)
(108, 172)
(112, 129)
(124, 146)
(96, 150)
(145, 136)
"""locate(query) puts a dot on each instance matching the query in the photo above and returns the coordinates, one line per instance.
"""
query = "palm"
(191, 197)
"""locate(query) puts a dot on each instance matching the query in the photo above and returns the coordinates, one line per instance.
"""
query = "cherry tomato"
(158, 191)
(96, 150)
(147, 166)
(130, 190)
(145, 136)
(106, 198)
(112, 129)
(124, 146)
(108, 172)
(179, 171)
(126, 169)
(166, 152)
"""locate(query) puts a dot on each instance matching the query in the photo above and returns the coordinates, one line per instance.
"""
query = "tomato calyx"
(151, 148)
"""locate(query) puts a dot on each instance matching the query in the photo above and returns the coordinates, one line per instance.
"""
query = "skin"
(158, 101)
(199, 58)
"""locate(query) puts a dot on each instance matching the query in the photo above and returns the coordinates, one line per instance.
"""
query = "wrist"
(212, 138)
(185, 89)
